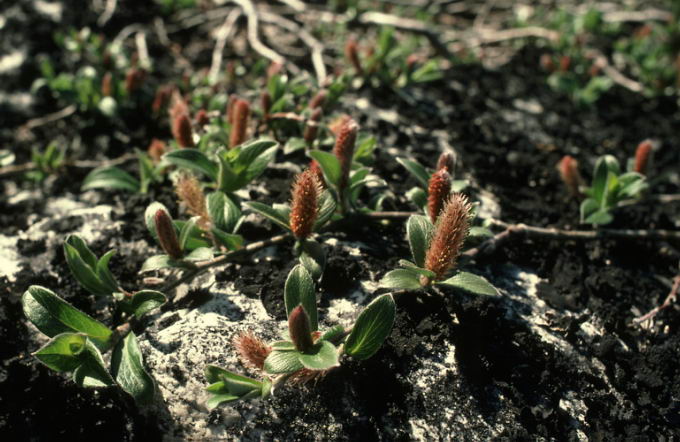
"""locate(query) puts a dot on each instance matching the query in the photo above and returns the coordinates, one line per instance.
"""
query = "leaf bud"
(167, 235)
(300, 330)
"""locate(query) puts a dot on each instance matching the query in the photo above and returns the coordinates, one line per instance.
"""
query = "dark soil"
(506, 150)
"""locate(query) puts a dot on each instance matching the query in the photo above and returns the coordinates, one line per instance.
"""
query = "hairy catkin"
(304, 204)
(450, 231)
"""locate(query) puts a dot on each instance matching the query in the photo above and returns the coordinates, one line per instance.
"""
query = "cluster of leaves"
(649, 53)
(77, 341)
(98, 76)
(306, 352)
(609, 189)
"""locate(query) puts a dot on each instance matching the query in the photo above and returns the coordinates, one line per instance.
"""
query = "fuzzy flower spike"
(451, 229)
(304, 204)
(439, 188)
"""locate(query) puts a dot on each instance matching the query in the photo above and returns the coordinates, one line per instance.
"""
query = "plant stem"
(670, 299)
(223, 259)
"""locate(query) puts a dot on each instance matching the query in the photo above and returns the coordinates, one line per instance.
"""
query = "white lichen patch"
(9, 258)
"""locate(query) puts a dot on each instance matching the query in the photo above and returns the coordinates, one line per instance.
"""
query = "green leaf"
(418, 196)
(103, 272)
(414, 268)
(419, 172)
(371, 328)
(600, 217)
(419, 231)
(313, 258)
(83, 273)
(229, 240)
(329, 165)
(158, 262)
(192, 159)
(200, 254)
(91, 372)
(471, 283)
(227, 179)
(144, 301)
(186, 231)
(326, 209)
(224, 214)
(364, 151)
(480, 232)
(294, 144)
(604, 165)
(227, 386)
(281, 362)
(127, 368)
(299, 290)
(588, 207)
(110, 178)
(149, 215)
(83, 250)
(259, 164)
(62, 352)
(401, 279)
(269, 213)
(459, 185)
(324, 356)
(52, 316)
(334, 334)
(283, 346)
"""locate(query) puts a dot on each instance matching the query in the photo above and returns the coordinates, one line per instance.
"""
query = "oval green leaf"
(372, 327)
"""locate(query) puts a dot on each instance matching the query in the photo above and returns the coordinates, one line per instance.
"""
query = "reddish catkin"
(450, 232)
(319, 99)
(565, 63)
(189, 191)
(300, 330)
(252, 350)
(178, 106)
(156, 150)
(266, 103)
(344, 150)
(202, 118)
(312, 126)
(107, 85)
(239, 129)
(231, 104)
(642, 154)
(547, 63)
(167, 235)
(274, 68)
(338, 123)
(438, 191)
(134, 79)
(568, 169)
(181, 130)
(447, 162)
(352, 54)
(304, 204)
(316, 170)
(161, 98)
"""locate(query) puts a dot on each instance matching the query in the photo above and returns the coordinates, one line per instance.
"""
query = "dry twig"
(670, 299)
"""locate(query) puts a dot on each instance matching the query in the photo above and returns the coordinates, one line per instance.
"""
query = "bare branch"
(253, 31)
(223, 33)
(670, 299)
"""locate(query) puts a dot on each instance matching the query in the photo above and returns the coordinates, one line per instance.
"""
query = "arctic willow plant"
(419, 195)
(435, 249)
(77, 341)
(343, 176)
(305, 353)
(311, 207)
(212, 229)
